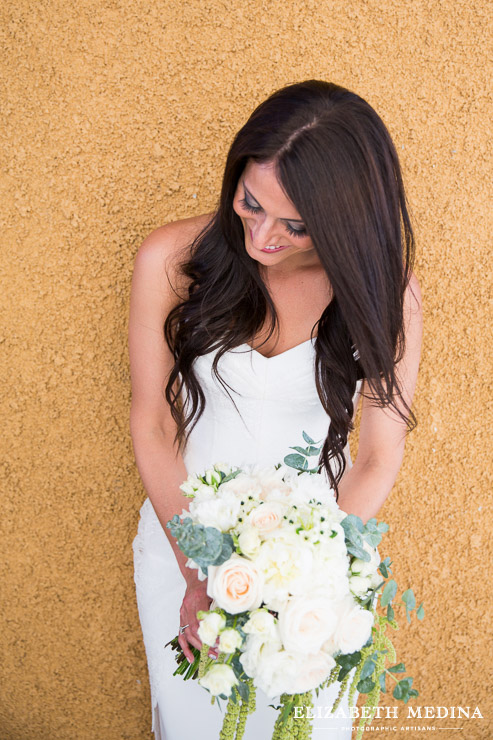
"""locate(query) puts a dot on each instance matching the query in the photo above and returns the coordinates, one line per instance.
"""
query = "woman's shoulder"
(171, 239)
(165, 248)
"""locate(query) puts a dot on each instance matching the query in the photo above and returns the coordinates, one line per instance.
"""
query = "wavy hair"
(336, 162)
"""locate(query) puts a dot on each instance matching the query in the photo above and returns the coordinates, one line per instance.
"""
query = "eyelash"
(255, 209)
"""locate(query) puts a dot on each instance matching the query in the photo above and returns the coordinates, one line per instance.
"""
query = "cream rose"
(306, 623)
(313, 670)
(354, 628)
(219, 679)
(236, 585)
(261, 622)
(229, 640)
(249, 541)
(209, 627)
(267, 517)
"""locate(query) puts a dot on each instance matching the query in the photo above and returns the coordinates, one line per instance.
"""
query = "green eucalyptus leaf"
(365, 686)
(397, 668)
(358, 552)
(227, 549)
(383, 569)
(347, 663)
(382, 527)
(388, 593)
(390, 613)
(368, 668)
(402, 689)
(294, 461)
(409, 599)
(420, 612)
(230, 476)
(356, 521)
(308, 439)
(302, 450)
(373, 538)
(381, 681)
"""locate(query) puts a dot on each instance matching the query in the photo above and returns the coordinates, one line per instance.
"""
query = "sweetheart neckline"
(281, 354)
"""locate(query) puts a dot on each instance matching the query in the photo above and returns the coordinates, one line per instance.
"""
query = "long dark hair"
(337, 164)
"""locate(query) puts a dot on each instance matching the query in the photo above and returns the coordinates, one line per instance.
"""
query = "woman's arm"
(152, 427)
(364, 487)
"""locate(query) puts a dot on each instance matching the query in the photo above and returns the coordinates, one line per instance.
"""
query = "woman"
(311, 233)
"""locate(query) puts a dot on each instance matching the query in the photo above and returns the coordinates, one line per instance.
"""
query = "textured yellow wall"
(116, 117)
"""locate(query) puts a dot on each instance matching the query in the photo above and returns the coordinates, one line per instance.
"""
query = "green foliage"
(205, 545)
(299, 459)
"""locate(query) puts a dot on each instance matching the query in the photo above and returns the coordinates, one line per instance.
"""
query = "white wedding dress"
(277, 400)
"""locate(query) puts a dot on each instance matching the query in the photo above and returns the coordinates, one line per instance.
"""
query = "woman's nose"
(263, 232)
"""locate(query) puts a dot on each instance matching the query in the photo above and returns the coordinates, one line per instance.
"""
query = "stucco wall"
(116, 117)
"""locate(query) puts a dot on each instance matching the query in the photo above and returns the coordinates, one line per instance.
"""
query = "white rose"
(219, 512)
(229, 640)
(249, 541)
(284, 559)
(210, 626)
(354, 628)
(314, 669)
(267, 517)
(236, 585)
(261, 622)
(219, 679)
(276, 670)
(258, 649)
(242, 485)
(359, 585)
(306, 623)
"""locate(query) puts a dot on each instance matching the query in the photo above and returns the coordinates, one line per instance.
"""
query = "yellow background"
(116, 118)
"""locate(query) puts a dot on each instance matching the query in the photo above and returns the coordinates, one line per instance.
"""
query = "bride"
(270, 316)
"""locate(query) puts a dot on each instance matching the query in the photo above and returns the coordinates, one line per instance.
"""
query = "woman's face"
(270, 219)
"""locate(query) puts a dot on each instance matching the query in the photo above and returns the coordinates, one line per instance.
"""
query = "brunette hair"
(336, 162)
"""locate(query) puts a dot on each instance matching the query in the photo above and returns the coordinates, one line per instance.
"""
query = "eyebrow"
(294, 220)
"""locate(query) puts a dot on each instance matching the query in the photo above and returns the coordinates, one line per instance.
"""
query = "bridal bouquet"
(294, 583)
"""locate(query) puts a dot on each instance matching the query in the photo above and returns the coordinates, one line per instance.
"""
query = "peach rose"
(236, 585)
(267, 517)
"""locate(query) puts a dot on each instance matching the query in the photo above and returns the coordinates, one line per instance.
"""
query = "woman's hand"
(195, 599)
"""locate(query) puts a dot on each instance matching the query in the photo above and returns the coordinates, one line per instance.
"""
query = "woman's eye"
(248, 207)
(295, 232)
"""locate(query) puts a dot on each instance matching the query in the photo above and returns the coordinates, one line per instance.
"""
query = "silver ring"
(182, 629)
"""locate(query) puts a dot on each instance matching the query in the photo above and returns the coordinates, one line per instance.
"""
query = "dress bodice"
(276, 399)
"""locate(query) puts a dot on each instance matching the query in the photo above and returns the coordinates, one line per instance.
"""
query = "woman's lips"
(269, 251)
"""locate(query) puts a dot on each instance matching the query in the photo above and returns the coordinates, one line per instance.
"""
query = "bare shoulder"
(163, 250)
(413, 314)
(412, 296)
